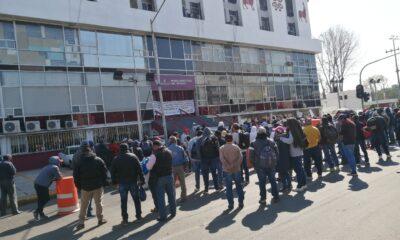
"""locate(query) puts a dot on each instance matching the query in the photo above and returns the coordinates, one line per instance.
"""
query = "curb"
(33, 198)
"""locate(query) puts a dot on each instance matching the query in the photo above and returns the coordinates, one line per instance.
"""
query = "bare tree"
(337, 57)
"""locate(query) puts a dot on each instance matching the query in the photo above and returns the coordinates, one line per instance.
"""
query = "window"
(265, 25)
(232, 12)
(292, 29)
(7, 39)
(263, 5)
(114, 44)
(289, 8)
(233, 18)
(147, 5)
(192, 9)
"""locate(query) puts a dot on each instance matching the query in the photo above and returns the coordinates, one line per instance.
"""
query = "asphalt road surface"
(337, 207)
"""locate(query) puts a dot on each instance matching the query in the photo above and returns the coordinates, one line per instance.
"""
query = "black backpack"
(331, 134)
(208, 148)
(244, 140)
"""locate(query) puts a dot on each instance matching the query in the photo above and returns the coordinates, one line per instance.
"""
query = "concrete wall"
(118, 15)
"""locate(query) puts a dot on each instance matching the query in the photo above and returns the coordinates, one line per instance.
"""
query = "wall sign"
(278, 5)
(175, 107)
(175, 83)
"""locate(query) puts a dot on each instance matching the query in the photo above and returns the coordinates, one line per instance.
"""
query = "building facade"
(217, 58)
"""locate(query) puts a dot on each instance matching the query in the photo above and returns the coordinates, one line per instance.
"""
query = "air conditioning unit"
(32, 126)
(71, 124)
(53, 124)
(11, 127)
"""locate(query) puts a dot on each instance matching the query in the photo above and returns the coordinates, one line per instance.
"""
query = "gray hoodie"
(49, 173)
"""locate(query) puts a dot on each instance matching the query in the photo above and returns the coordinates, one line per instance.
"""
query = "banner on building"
(175, 83)
(175, 107)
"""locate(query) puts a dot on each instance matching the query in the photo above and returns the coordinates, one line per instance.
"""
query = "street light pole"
(394, 50)
(158, 80)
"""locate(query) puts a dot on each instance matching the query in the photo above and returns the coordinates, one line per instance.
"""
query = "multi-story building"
(223, 58)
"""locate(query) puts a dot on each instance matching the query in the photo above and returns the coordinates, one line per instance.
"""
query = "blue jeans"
(299, 170)
(220, 172)
(245, 169)
(233, 177)
(133, 189)
(330, 155)
(341, 150)
(206, 167)
(166, 185)
(312, 154)
(348, 151)
(286, 180)
(262, 174)
(196, 168)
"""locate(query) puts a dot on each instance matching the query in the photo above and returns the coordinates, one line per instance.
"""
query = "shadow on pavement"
(198, 200)
(387, 163)
(333, 177)
(225, 219)
(369, 169)
(119, 231)
(142, 234)
(356, 184)
(30, 224)
(261, 217)
(315, 185)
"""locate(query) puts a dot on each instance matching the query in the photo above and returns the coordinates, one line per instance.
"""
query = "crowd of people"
(277, 150)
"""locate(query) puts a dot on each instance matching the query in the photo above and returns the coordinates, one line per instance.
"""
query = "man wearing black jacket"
(7, 186)
(90, 176)
(162, 170)
(127, 172)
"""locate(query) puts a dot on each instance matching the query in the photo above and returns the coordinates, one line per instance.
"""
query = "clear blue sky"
(372, 21)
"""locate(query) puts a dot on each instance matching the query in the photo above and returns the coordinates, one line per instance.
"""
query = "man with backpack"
(231, 159)
(209, 155)
(377, 125)
(242, 139)
(264, 156)
(313, 150)
(360, 141)
(193, 149)
(329, 137)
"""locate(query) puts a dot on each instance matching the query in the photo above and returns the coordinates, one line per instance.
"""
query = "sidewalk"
(24, 182)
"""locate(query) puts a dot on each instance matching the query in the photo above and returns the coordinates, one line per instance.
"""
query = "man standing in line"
(90, 176)
(127, 172)
(313, 150)
(348, 133)
(209, 155)
(231, 159)
(7, 186)
(162, 169)
(264, 155)
(193, 149)
(179, 160)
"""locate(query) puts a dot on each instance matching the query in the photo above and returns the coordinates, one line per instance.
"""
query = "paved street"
(337, 207)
